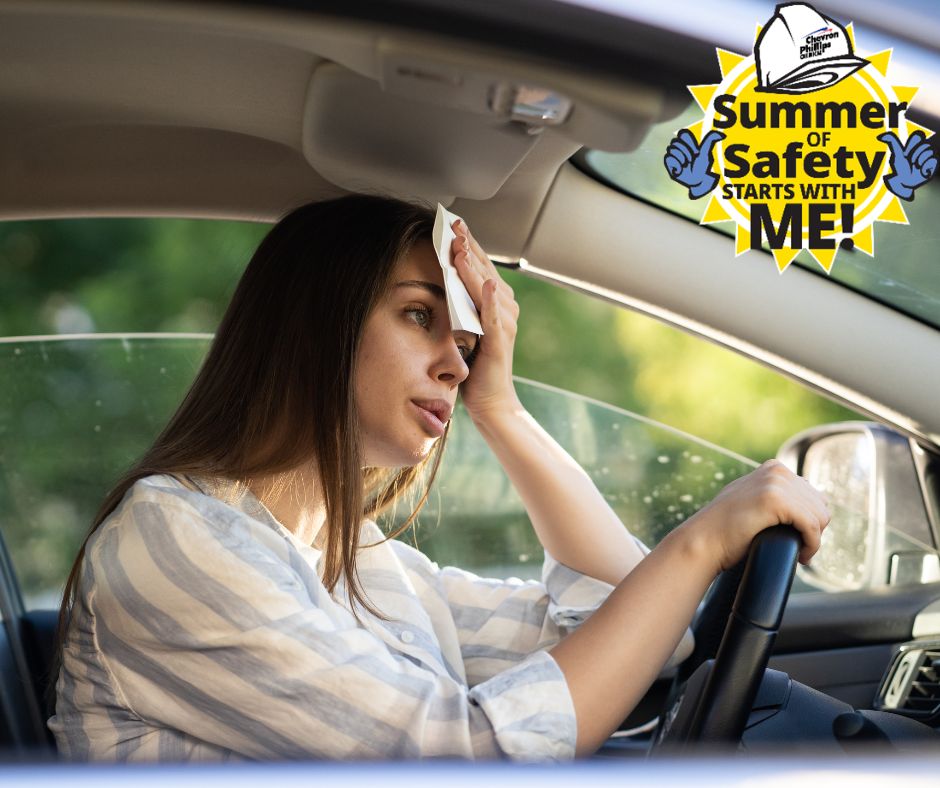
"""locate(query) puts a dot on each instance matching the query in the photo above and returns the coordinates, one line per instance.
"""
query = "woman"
(235, 599)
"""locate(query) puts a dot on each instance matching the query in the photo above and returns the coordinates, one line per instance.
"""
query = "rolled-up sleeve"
(575, 596)
(205, 630)
(500, 622)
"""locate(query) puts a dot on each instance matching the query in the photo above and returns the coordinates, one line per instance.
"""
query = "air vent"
(924, 695)
(912, 684)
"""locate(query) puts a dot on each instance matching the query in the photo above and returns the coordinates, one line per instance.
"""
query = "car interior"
(244, 110)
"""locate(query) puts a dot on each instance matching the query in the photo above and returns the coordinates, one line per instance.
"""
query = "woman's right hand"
(769, 495)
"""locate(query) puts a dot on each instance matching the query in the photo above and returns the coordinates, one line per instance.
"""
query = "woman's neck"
(296, 503)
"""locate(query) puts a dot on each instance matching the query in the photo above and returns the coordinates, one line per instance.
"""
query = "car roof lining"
(154, 96)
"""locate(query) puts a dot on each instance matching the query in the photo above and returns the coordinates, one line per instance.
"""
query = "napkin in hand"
(460, 307)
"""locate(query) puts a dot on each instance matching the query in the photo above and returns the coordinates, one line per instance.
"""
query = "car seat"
(25, 648)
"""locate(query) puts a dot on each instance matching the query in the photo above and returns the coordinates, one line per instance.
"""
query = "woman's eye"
(471, 353)
(421, 315)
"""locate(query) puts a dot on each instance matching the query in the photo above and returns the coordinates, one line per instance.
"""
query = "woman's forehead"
(421, 264)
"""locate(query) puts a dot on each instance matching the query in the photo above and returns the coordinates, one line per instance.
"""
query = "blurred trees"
(111, 275)
(143, 275)
(630, 360)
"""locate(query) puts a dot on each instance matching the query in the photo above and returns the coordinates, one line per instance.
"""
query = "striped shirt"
(202, 631)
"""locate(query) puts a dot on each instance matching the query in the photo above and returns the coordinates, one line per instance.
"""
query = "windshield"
(902, 274)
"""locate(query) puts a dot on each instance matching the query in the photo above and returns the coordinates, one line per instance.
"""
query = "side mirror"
(883, 490)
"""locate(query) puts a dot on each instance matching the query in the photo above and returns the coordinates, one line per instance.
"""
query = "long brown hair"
(276, 388)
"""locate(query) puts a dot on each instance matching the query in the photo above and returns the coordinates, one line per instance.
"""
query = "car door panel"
(842, 643)
(818, 621)
(851, 675)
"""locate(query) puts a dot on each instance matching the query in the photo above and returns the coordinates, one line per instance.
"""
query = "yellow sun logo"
(803, 145)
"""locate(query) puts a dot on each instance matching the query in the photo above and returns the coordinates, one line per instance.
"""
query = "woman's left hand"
(489, 388)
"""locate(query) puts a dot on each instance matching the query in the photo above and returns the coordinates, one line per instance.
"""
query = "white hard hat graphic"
(800, 50)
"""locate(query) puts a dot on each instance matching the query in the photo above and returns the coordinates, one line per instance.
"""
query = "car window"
(902, 274)
(76, 412)
(653, 477)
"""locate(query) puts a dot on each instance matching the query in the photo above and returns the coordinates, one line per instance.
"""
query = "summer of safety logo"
(803, 144)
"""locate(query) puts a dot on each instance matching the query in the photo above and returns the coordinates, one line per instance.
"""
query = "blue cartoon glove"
(691, 165)
(912, 165)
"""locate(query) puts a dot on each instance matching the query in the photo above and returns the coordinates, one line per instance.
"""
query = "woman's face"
(410, 364)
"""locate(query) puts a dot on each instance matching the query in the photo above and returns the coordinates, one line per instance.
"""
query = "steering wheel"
(718, 697)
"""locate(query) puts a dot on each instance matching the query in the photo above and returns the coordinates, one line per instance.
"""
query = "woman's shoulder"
(169, 544)
(180, 505)
(166, 490)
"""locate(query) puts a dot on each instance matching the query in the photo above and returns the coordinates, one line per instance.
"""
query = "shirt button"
(407, 636)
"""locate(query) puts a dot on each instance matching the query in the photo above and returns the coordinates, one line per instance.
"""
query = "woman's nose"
(450, 365)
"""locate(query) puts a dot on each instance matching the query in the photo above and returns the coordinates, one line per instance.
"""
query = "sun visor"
(359, 137)
(611, 115)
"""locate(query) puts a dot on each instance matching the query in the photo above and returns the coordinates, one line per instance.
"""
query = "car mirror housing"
(882, 488)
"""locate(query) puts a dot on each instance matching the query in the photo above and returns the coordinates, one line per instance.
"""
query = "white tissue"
(460, 307)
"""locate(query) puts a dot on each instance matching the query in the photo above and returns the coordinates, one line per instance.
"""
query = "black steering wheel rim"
(720, 710)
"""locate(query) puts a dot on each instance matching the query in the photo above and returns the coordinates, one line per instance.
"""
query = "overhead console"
(425, 119)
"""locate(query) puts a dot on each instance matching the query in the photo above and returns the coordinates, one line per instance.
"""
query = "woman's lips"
(432, 423)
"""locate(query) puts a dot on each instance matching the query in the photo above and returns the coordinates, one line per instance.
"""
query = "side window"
(652, 476)
(74, 414)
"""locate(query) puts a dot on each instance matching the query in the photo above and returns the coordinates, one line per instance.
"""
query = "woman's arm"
(642, 620)
(570, 516)
(612, 658)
